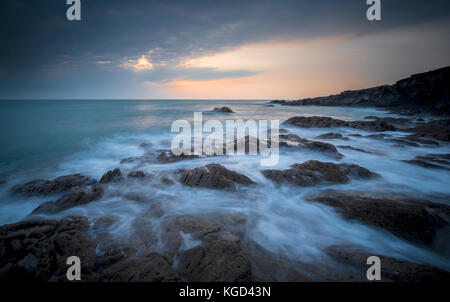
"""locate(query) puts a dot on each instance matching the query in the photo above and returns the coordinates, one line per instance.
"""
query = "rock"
(167, 181)
(57, 185)
(328, 122)
(136, 174)
(425, 93)
(437, 129)
(397, 121)
(222, 110)
(168, 156)
(219, 259)
(37, 250)
(75, 197)
(112, 176)
(357, 149)
(314, 172)
(433, 161)
(391, 269)
(332, 135)
(294, 141)
(408, 218)
(214, 176)
(150, 268)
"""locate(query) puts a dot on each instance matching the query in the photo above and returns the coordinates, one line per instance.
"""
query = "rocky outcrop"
(37, 250)
(412, 219)
(391, 269)
(424, 92)
(112, 176)
(75, 197)
(222, 110)
(437, 129)
(433, 161)
(328, 122)
(167, 156)
(314, 172)
(57, 185)
(214, 176)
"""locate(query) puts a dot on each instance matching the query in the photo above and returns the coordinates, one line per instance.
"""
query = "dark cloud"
(38, 42)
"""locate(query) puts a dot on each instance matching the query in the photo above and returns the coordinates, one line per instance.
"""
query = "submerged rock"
(214, 176)
(222, 110)
(57, 185)
(409, 218)
(136, 174)
(168, 156)
(437, 129)
(75, 197)
(112, 176)
(391, 269)
(332, 135)
(433, 161)
(294, 141)
(328, 122)
(314, 172)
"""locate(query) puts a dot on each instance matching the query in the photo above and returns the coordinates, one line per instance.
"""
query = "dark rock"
(214, 176)
(357, 149)
(150, 268)
(437, 129)
(75, 197)
(136, 174)
(391, 269)
(167, 156)
(167, 181)
(328, 122)
(397, 121)
(218, 259)
(332, 135)
(424, 92)
(314, 172)
(412, 219)
(222, 110)
(112, 176)
(57, 185)
(37, 250)
(433, 161)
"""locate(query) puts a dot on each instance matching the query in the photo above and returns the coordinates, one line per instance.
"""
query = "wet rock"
(222, 110)
(150, 268)
(75, 197)
(314, 172)
(168, 156)
(433, 161)
(391, 269)
(57, 185)
(328, 122)
(412, 219)
(136, 174)
(437, 129)
(332, 135)
(397, 121)
(358, 149)
(37, 250)
(104, 222)
(112, 176)
(167, 181)
(294, 141)
(214, 176)
(145, 145)
(218, 259)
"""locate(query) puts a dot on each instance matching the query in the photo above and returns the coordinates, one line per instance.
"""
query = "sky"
(214, 49)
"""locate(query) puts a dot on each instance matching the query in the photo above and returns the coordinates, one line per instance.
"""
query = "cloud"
(139, 64)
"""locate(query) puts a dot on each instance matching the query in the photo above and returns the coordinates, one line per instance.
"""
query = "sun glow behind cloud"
(138, 64)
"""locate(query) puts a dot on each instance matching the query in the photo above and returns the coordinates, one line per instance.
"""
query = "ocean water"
(49, 138)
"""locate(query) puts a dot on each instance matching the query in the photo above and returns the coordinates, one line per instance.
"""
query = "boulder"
(57, 185)
(136, 174)
(391, 269)
(75, 197)
(112, 176)
(314, 172)
(214, 176)
(168, 156)
(412, 219)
